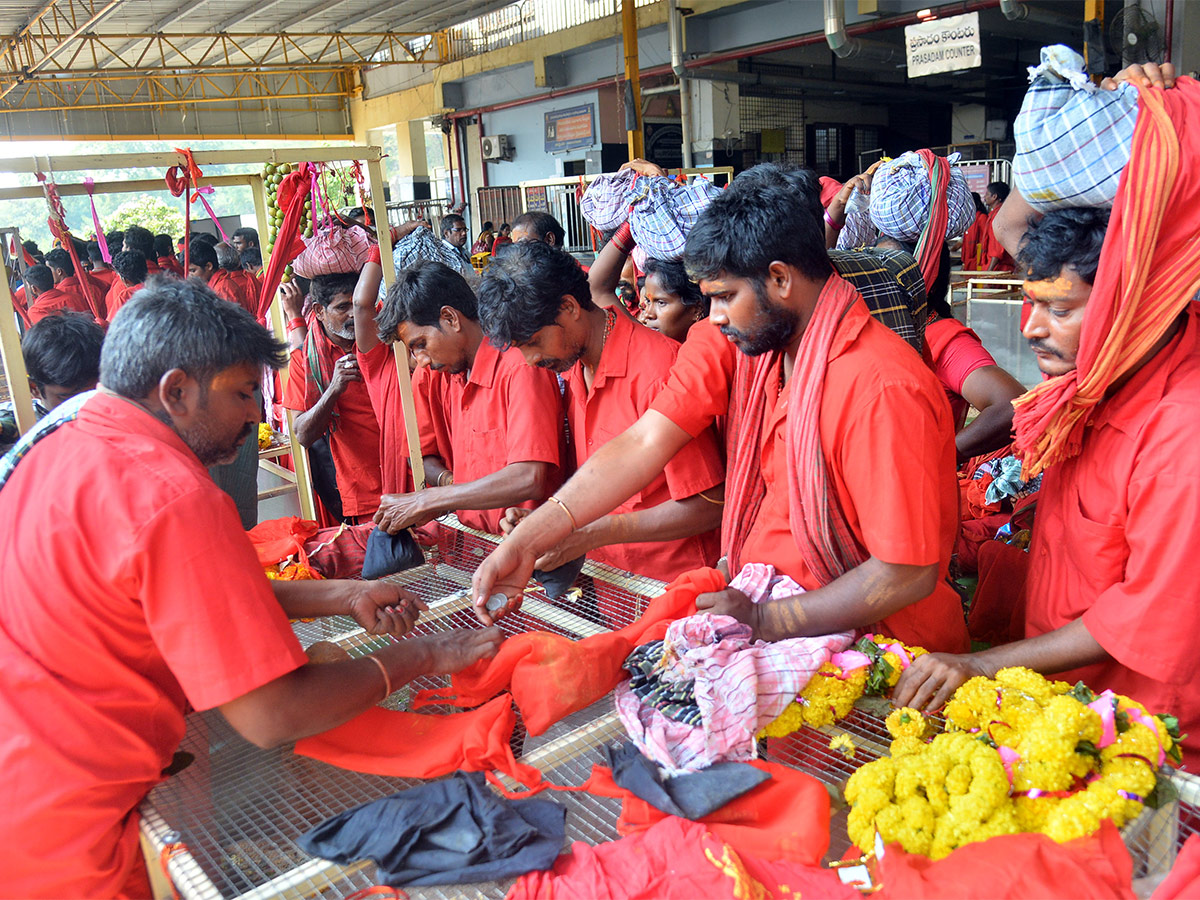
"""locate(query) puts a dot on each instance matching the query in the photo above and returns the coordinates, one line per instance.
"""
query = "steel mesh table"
(238, 811)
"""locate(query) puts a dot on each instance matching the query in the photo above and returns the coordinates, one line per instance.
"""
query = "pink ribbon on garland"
(199, 194)
(90, 183)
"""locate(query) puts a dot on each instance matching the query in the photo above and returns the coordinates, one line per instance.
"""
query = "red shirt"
(957, 352)
(106, 277)
(99, 289)
(354, 431)
(972, 243)
(1116, 529)
(238, 287)
(118, 296)
(888, 444)
(378, 368)
(634, 365)
(112, 525)
(170, 265)
(503, 411)
(55, 300)
(992, 248)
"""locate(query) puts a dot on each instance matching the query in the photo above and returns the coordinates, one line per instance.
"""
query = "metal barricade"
(497, 205)
(404, 211)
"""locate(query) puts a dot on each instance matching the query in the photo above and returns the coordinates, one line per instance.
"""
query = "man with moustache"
(1111, 584)
(839, 441)
(325, 386)
(129, 591)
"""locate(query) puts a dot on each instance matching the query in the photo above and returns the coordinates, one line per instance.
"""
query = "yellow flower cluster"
(265, 436)
(950, 792)
(832, 692)
(1020, 753)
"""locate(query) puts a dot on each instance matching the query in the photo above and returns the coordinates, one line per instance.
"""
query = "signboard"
(570, 129)
(978, 176)
(535, 199)
(943, 45)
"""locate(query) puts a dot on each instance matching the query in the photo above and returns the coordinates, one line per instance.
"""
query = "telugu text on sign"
(943, 45)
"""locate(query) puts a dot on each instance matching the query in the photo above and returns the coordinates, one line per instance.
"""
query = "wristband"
(623, 238)
(387, 679)
(832, 224)
(295, 323)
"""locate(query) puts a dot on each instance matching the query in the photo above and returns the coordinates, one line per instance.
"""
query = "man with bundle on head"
(62, 357)
(168, 603)
(537, 299)
(326, 388)
(1111, 594)
(491, 427)
(820, 402)
(918, 202)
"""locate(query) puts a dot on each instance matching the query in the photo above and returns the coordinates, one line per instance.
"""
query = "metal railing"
(524, 21)
(973, 153)
(407, 210)
(497, 205)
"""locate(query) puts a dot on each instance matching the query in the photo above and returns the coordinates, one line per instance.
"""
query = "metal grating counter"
(238, 810)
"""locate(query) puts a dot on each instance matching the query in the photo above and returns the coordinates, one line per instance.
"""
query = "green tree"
(149, 212)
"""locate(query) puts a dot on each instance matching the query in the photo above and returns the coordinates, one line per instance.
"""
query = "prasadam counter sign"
(943, 45)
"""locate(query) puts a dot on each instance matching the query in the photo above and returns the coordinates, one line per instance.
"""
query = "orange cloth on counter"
(551, 677)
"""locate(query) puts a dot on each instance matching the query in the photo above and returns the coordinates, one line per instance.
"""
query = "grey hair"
(228, 258)
(175, 324)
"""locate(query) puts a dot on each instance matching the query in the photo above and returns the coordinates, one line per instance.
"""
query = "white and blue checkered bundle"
(1073, 139)
(900, 198)
(660, 211)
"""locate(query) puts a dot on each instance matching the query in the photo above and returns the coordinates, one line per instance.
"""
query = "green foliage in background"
(149, 212)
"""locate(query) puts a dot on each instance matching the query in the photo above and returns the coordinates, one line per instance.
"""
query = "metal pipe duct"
(846, 47)
(675, 32)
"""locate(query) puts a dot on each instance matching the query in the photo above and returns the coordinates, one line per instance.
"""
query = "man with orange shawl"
(1111, 597)
(822, 404)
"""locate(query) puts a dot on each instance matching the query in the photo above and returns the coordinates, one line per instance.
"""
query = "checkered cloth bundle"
(422, 243)
(900, 196)
(660, 211)
(1073, 139)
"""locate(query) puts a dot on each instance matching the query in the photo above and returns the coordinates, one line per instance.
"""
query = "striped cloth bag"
(1073, 139)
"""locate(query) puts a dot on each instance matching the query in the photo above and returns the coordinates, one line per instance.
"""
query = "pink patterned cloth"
(740, 684)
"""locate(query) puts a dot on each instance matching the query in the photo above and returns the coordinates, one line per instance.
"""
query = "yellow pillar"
(629, 36)
(13, 361)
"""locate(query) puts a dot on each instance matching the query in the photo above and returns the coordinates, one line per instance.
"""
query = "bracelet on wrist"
(296, 323)
(832, 224)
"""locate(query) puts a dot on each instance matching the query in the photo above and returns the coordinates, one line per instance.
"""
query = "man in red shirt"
(234, 274)
(324, 385)
(823, 404)
(536, 298)
(141, 240)
(491, 427)
(130, 267)
(164, 253)
(1111, 585)
(204, 264)
(56, 297)
(167, 601)
(100, 270)
(995, 257)
(377, 365)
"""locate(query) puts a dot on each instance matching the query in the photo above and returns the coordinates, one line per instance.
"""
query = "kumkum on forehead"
(1049, 288)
